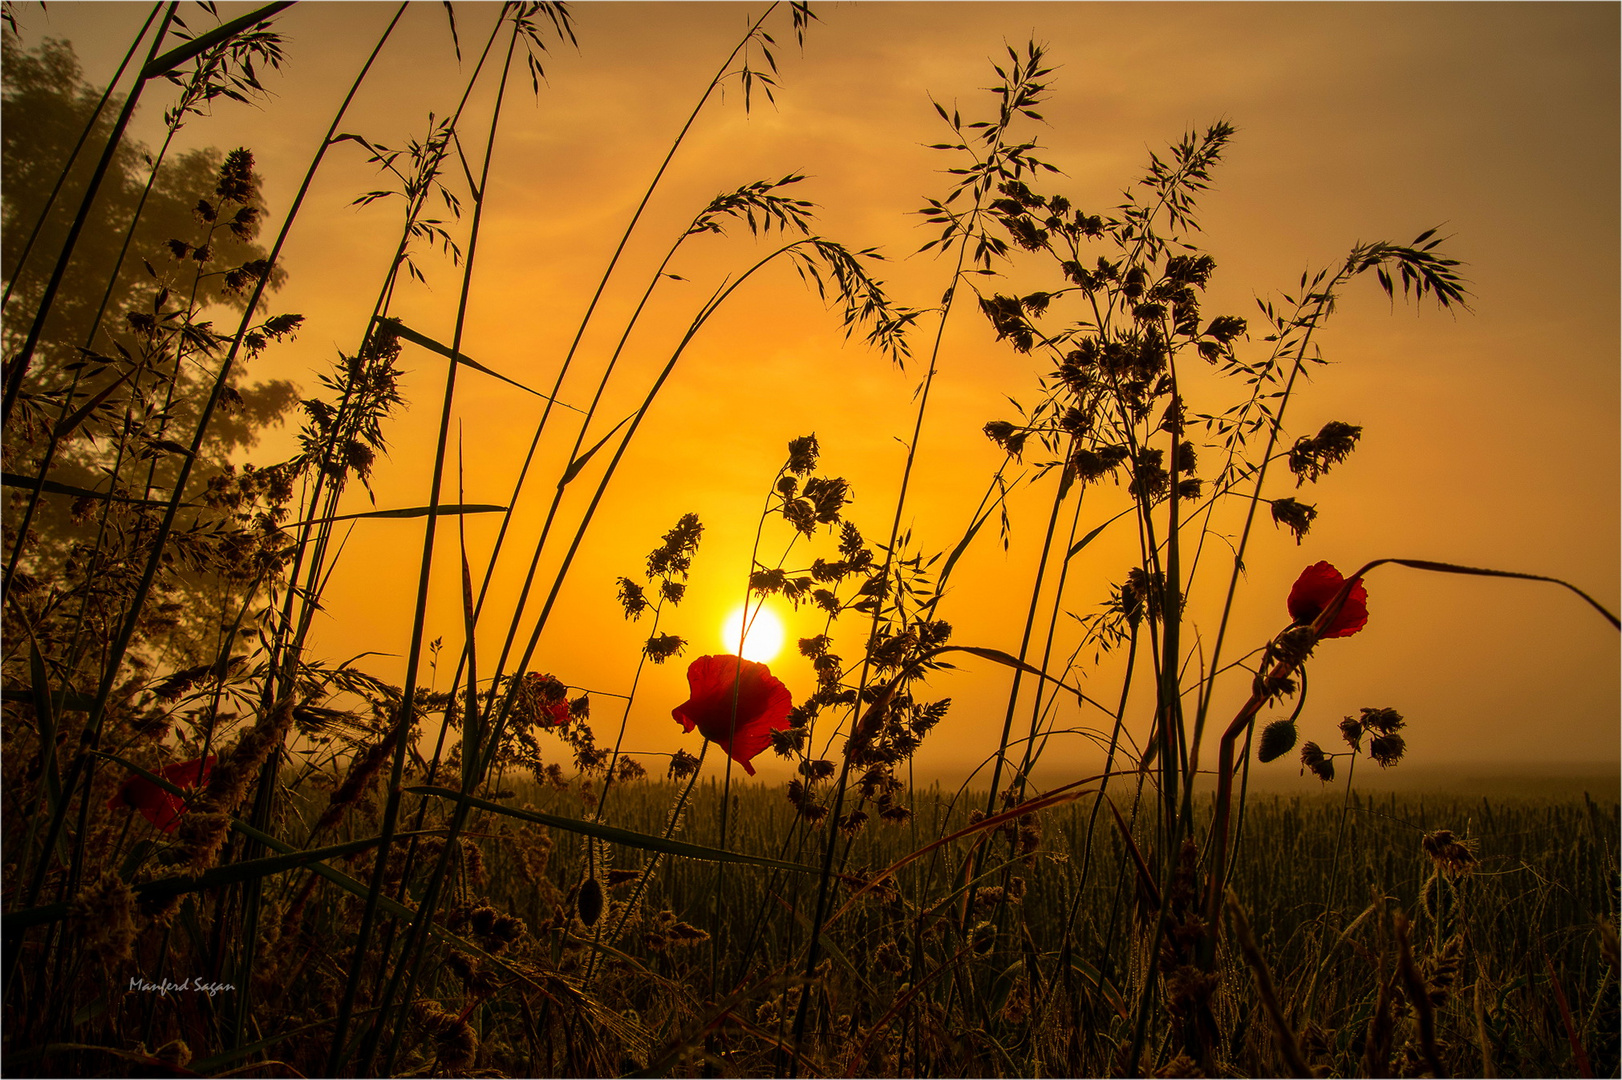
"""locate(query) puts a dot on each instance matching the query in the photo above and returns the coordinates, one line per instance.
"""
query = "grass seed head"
(983, 936)
(1320, 764)
(1295, 516)
(1387, 749)
(104, 917)
(1352, 731)
(1453, 856)
(589, 901)
(682, 765)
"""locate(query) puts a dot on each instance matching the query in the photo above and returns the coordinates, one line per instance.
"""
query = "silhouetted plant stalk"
(801, 15)
(667, 570)
(417, 188)
(410, 958)
(1019, 93)
(1421, 270)
(1291, 655)
(762, 198)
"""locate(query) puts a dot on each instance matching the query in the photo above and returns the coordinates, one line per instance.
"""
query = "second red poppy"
(158, 805)
(1314, 590)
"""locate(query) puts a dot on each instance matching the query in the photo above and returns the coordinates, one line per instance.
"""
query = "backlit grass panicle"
(103, 917)
(1313, 456)
(204, 828)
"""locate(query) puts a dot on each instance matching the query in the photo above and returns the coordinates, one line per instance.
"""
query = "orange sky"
(1490, 438)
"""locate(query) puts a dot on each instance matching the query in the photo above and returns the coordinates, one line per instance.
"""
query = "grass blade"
(408, 512)
(614, 835)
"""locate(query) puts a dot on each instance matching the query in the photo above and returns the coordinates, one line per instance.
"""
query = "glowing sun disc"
(764, 639)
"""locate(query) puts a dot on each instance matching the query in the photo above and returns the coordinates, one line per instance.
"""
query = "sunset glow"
(764, 639)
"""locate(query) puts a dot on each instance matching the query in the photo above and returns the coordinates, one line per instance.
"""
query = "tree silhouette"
(129, 349)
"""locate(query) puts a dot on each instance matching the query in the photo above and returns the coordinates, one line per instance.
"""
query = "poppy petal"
(157, 805)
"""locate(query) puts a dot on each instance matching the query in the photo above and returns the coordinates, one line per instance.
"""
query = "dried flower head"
(632, 598)
(1311, 457)
(1387, 749)
(236, 180)
(589, 901)
(1384, 721)
(674, 555)
(983, 936)
(1320, 764)
(1295, 516)
(1451, 855)
(682, 765)
(1352, 732)
(661, 647)
(802, 454)
(1278, 739)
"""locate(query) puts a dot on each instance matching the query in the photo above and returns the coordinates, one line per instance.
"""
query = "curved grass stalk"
(361, 404)
(752, 197)
(1430, 274)
(864, 300)
(716, 81)
(416, 189)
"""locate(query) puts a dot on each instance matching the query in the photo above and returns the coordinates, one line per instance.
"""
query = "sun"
(765, 637)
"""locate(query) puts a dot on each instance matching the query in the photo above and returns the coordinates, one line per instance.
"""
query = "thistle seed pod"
(1278, 739)
(589, 903)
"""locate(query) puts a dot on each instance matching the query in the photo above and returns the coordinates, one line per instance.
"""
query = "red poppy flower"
(1313, 591)
(159, 806)
(544, 700)
(763, 703)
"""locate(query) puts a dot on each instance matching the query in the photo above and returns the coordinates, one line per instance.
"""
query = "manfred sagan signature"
(168, 986)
